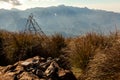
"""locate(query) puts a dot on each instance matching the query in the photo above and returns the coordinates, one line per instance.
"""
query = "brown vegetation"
(96, 55)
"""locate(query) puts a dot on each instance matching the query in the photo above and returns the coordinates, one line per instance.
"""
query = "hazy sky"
(110, 5)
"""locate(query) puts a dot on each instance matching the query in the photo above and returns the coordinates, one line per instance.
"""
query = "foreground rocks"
(36, 68)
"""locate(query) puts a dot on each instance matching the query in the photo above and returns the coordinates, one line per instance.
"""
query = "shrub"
(53, 45)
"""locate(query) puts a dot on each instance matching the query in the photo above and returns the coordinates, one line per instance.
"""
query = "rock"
(19, 68)
(39, 73)
(28, 76)
(26, 63)
(66, 75)
(53, 68)
(36, 68)
(5, 69)
(30, 61)
(52, 71)
(8, 76)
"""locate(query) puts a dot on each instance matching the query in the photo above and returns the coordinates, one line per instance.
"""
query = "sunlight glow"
(5, 5)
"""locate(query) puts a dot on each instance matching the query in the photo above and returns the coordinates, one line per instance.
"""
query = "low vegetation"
(80, 53)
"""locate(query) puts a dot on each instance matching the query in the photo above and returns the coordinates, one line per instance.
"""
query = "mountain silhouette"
(66, 20)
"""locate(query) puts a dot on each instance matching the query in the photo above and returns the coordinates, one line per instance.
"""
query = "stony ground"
(36, 68)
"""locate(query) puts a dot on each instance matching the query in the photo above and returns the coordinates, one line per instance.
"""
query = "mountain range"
(66, 20)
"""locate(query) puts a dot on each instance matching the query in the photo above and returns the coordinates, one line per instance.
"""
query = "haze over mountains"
(62, 19)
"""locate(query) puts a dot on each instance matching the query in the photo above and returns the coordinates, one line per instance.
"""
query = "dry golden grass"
(83, 49)
(80, 52)
(105, 65)
(19, 46)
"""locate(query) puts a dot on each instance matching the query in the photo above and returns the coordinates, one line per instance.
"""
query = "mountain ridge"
(66, 20)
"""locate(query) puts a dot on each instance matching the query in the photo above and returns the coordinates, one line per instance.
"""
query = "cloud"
(41, 0)
(20, 2)
(13, 2)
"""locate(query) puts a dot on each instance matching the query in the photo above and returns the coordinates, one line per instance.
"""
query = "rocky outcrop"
(36, 68)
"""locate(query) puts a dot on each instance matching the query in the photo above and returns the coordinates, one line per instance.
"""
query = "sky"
(109, 5)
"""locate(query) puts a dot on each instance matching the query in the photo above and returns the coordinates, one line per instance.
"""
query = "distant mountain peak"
(62, 5)
(14, 9)
(63, 19)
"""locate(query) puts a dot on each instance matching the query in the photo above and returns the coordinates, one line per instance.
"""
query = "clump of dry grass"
(2, 55)
(105, 65)
(58, 44)
(82, 49)
(19, 46)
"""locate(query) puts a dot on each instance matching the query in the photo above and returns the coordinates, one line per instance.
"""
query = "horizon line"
(59, 6)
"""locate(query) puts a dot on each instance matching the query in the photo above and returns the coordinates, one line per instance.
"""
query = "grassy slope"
(80, 50)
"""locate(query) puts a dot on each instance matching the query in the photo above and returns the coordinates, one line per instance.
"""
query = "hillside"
(89, 57)
(66, 20)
